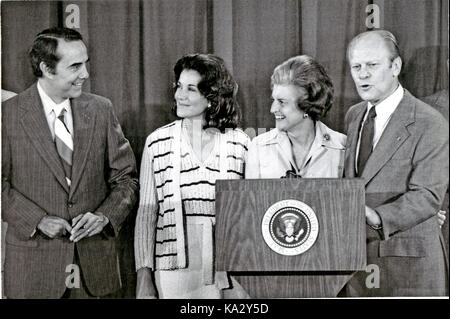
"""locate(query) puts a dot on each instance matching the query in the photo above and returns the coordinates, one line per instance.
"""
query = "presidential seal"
(290, 227)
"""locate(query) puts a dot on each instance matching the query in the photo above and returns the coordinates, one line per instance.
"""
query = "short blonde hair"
(304, 72)
(389, 39)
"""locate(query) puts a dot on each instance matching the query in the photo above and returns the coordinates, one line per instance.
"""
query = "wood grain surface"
(320, 271)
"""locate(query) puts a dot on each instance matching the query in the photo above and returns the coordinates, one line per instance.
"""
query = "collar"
(50, 105)
(328, 137)
(324, 137)
(386, 107)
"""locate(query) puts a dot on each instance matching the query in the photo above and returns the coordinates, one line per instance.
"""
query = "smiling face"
(190, 102)
(284, 106)
(70, 72)
(374, 74)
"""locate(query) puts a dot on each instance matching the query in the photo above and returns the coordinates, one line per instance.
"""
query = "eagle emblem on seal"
(289, 228)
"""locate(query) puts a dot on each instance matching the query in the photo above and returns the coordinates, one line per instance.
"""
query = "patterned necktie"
(366, 143)
(64, 144)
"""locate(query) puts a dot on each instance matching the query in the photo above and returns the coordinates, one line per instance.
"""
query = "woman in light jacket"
(301, 145)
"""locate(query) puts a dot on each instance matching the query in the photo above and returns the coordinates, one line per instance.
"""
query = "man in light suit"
(68, 179)
(400, 147)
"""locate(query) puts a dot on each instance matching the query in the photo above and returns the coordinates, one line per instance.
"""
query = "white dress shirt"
(384, 111)
(52, 110)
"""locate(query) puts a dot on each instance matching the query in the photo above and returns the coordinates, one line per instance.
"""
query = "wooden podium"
(323, 269)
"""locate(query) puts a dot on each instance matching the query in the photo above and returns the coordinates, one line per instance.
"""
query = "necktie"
(366, 143)
(64, 144)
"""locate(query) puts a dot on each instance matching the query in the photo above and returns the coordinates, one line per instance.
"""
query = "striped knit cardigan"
(159, 232)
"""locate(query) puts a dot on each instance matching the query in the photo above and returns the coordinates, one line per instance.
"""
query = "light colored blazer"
(34, 185)
(270, 155)
(405, 180)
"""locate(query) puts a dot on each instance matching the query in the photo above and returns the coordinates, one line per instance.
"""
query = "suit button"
(70, 204)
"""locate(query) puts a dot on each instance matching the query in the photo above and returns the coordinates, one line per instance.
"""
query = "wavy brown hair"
(216, 85)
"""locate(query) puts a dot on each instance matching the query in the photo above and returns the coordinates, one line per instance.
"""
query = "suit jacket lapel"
(83, 123)
(392, 138)
(352, 140)
(35, 125)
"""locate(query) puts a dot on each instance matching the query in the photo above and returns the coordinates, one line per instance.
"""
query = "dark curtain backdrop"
(134, 44)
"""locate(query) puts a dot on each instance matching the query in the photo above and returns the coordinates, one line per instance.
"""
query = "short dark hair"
(306, 73)
(45, 45)
(216, 85)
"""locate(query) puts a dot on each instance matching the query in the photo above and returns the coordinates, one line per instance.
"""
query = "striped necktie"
(64, 144)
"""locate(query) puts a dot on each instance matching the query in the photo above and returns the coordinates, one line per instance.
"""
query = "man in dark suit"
(400, 147)
(68, 179)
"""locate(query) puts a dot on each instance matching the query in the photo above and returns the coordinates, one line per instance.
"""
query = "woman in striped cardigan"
(180, 164)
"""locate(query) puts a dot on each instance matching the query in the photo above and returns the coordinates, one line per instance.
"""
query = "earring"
(209, 105)
(305, 115)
